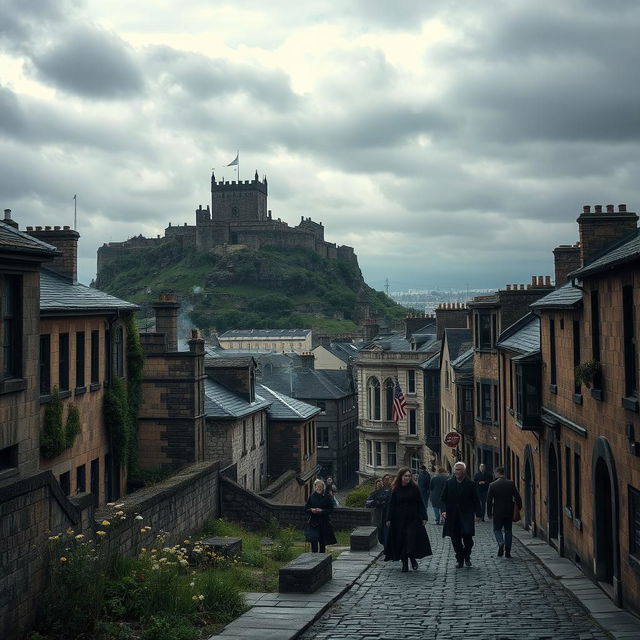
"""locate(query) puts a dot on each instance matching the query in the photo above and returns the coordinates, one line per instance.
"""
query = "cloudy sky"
(451, 142)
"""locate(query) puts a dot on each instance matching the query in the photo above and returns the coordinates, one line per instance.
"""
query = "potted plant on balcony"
(587, 373)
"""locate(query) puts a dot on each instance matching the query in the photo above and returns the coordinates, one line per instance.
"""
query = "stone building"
(587, 488)
(456, 394)
(171, 419)
(278, 340)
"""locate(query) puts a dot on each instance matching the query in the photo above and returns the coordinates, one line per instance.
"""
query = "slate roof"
(566, 297)
(316, 384)
(284, 407)
(59, 295)
(392, 342)
(458, 341)
(266, 333)
(221, 403)
(431, 345)
(239, 362)
(522, 336)
(343, 350)
(626, 251)
(464, 362)
(14, 240)
(432, 364)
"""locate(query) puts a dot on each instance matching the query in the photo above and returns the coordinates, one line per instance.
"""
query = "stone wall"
(31, 509)
(179, 506)
(283, 490)
(254, 511)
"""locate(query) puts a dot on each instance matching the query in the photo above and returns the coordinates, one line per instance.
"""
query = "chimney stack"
(601, 230)
(566, 259)
(166, 310)
(64, 239)
(8, 220)
(307, 360)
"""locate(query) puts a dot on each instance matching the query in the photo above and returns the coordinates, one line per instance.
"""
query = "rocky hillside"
(268, 288)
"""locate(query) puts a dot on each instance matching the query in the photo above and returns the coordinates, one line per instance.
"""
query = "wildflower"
(119, 513)
(70, 531)
(154, 551)
(79, 537)
(194, 597)
(141, 576)
(139, 518)
(63, 559)
(110, 504)
(184, 563)
(192, 584)
(143, 549)
(186, 542)
(119, 506)
(105, 523)
(101, 533)
(142, 530)
(155, 567)
(200, 597)
(54, 537)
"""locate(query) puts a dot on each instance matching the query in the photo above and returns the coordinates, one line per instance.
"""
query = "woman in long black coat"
(318, 508)
(406, 517)
(378, 500)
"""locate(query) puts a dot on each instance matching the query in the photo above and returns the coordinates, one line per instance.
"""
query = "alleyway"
(496, 599)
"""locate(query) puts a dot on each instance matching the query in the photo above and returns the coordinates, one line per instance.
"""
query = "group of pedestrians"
(458, 503)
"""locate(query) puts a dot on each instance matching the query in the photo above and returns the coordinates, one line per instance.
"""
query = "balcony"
(378, 426)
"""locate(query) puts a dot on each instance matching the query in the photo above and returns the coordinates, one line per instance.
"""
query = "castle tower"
(243, 201)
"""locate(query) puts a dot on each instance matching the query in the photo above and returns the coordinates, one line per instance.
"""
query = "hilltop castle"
(238, 217)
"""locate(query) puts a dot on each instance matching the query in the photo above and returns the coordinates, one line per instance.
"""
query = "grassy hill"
(267, 288)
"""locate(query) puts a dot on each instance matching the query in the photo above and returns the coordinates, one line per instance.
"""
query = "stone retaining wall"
(254, 511)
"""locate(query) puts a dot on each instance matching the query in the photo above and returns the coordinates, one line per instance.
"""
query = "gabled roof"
(432, 364)
(343, 350)
(266, 333)
(310, 384)
(464, 362)
(60, 295)
(221, 403)
(392, 342)
(458, 341)
(627, 250)
(15, 241)
(240, 362)
(523, 336)
(430, 345)
(284, 407)
(566, 297)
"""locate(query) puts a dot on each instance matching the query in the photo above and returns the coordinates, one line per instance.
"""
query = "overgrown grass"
(182, 592)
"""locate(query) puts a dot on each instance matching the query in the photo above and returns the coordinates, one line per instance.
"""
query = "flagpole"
(75, 212)
(238, 176)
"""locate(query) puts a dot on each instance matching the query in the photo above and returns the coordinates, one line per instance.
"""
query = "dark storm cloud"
(21, 20)
(201, 77)
(89, 62)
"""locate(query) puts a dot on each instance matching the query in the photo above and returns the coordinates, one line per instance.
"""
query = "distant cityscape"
(426, 301)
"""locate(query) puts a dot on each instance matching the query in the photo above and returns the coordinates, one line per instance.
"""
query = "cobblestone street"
(496, 599)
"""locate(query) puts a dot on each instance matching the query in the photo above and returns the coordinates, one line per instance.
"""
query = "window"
(433, 425)
(81, 479)
(374, 399)
(576, 352)
(9, 458)
(388, 399)
(634, 522)
(485, 330)
(118, 352)
(411, 381)
(378, 450)
(528, 394)
(11, 308)
(577, 490)
(95, 357)
(628, 330)
(392, 457)
(65, 483)
(567, 476)
(244, 439)
(45, 364)
(95, 480)
(369, 454)
(63, 361)
(415, 464)
(595, 326)
(322, 405)
(552, 352)
(80, 359)
(484, 409)
(107, 352)
(323, 437)
(413, 422)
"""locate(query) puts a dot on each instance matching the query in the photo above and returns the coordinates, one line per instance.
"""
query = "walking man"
(424, 480)
(502, 495)
(461, 504)
(483, 480)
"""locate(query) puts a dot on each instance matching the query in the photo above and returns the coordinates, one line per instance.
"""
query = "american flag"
(399, 403)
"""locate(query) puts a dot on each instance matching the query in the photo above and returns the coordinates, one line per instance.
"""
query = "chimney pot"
(609, 208)
(7, 214)
(47, 228)
(534, 281)
(38, 228)
(56, 228)
(29, 228)
(521, 287)
(66, 227)
(547, 281)
(598, 208)
(508, 287)
(586, 209)
(622, 208)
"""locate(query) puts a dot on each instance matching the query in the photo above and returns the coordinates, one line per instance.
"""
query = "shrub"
(169, 628)
(53, 440)
(72, 427)
(283, 545)
(358, 496)
(222, 598)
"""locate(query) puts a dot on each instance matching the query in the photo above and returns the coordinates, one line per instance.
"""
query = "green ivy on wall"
(57, 436)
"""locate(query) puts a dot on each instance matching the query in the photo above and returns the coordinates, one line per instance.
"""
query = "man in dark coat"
(502, 495)
(461, 504)
(424, 480)
(482, 480)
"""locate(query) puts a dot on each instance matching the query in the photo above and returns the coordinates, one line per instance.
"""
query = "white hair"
(460, 464)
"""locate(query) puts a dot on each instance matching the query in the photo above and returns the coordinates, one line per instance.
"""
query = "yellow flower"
(101, 533)
(186, 542)
(70, 531)
(154, 551)
(54, 537)
(119, 513)
(79, 536)
(143, 549)
(63, 559)
(194, 597)
(200, 597)
(155, 567)
(105, 523)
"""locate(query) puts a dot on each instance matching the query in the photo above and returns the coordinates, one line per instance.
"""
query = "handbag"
(517, 516)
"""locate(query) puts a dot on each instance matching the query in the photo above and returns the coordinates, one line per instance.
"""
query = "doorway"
(553, 504)
(603, 514)
(528, 494)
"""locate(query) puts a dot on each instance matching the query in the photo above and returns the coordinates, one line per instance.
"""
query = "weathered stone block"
(364, 538)
(227, 547)
(306, 573)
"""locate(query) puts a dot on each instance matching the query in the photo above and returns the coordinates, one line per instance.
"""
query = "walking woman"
(378, 500)
(407, 538)
(319, 506)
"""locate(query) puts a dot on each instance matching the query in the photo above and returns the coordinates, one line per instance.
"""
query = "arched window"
(373, 397)
(388, 399)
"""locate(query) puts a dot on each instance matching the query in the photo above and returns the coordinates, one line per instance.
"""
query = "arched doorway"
(606, 547)
(529, 491)
(553, 500)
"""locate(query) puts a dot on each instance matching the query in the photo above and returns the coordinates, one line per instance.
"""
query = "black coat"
(424, 482)
(406, 535)
(437, 485)
(378, 500)
(321, 521)
(502, 494)
(482, 476)
(462, 505)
